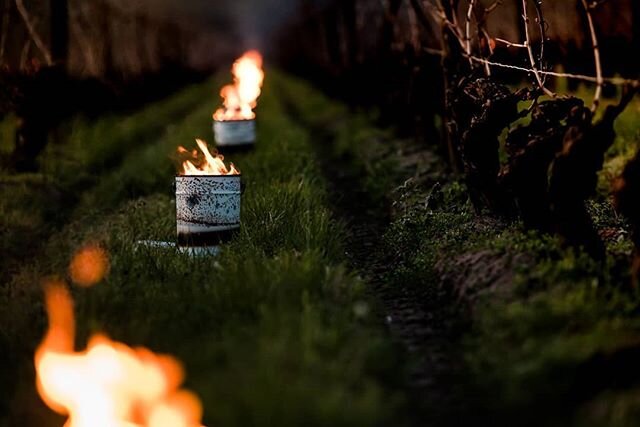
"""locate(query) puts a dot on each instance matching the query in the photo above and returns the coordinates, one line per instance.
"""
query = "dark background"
(90, 57)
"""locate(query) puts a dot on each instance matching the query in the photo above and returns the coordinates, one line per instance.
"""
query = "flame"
(89, 266)
(240, 98)
(109, 384)
(213, 164)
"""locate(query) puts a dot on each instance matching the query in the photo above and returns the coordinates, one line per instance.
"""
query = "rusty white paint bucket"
(234, 133)
(207, 208)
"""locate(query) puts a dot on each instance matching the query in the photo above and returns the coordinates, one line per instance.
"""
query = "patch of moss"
(527, 347)
(544, 345)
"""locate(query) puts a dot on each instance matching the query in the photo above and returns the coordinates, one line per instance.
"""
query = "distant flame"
(212, 164)
(109, 384)
(240, 98)
(89, 266)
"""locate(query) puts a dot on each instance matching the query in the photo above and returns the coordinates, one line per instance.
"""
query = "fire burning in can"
(208, 196)
(234, 124)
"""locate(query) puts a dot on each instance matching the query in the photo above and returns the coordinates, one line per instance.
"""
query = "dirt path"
(417, 314)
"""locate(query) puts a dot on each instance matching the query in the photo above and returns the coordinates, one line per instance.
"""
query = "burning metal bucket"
(234, 133)
(207, 208)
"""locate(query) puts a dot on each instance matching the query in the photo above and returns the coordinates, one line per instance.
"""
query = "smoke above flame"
(241, 97)
(207, 163)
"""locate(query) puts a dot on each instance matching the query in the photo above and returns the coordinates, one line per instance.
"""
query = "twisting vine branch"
(467, 35)
(481, 20)
(596, 54)
(33, 33)
(510, 44)
(532, 60)
(481, 31)
(467, 32)
(540, 72)
(454, 6)
(542, 26)
(481, 14)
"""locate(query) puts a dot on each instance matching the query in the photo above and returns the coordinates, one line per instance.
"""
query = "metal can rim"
(234, 121)
(209, 176)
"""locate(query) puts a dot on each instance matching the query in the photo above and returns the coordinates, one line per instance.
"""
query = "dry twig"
(596, 54)
(467, 32)
(532, 60)
(481, 30)
(510, 44)
(542, 28)
(35, 37)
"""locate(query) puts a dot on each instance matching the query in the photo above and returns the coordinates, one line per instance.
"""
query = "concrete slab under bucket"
(197, 251)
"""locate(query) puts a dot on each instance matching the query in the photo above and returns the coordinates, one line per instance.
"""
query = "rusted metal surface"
(207, 209)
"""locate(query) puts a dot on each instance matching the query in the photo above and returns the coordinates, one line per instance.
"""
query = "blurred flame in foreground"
(88, 266)
(213, 164)
(109, 384)
(240, 98)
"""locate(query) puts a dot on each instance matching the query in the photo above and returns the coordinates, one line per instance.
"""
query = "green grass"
(7, 136)
(33, 206)
(558, 314)
(351, 134)
(274, 331)
(530, 338)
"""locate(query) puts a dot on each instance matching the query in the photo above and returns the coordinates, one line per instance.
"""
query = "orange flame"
(109, 384)
(240, 98)
(213, 164)
(88, 266)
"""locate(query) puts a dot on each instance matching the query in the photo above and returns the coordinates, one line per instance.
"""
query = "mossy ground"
(544, 349)
(547, 346)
